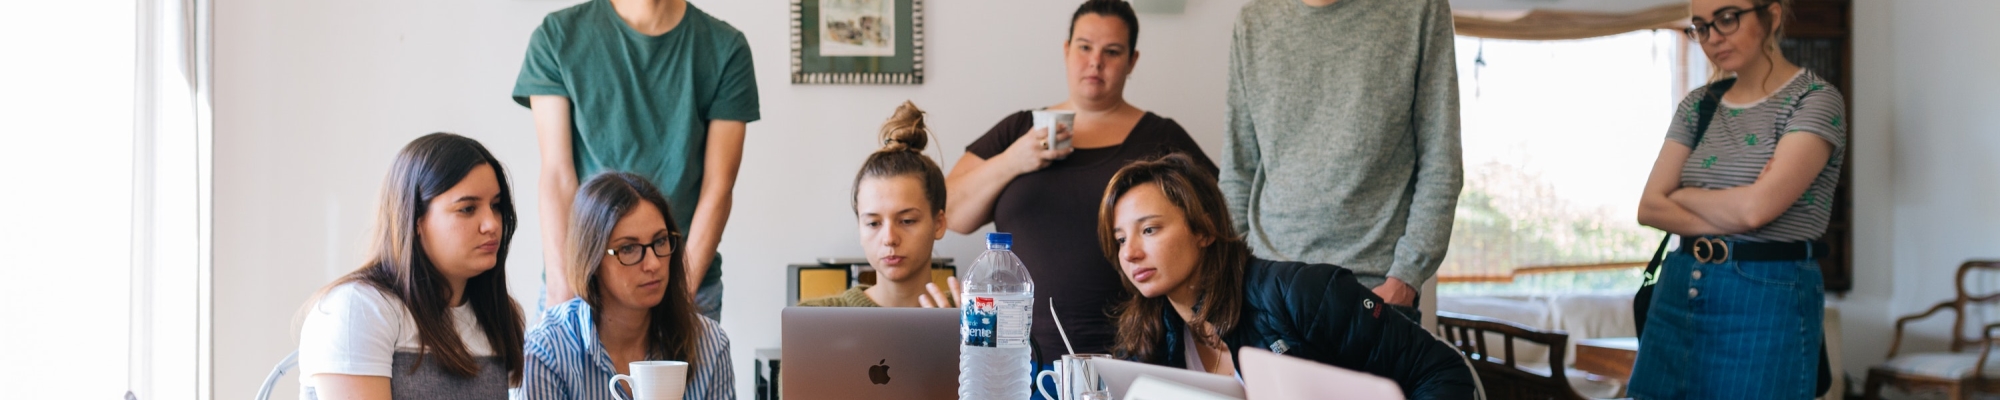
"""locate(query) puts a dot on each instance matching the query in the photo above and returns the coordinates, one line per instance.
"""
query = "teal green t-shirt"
(641, 103)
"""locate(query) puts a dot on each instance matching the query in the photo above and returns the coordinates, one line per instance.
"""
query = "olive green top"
(853, 297)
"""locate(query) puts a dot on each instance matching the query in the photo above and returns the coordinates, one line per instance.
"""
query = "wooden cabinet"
(1818, 37)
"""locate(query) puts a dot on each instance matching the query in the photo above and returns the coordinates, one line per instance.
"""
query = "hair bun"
(905, 130)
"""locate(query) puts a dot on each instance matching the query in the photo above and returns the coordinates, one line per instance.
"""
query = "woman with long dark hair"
(1736, 310)
(1195, 295)
(428, 316)
(632, 302)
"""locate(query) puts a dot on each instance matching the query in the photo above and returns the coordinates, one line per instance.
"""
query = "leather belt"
(1714, 250)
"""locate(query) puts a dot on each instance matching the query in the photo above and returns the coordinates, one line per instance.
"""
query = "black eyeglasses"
(1725, 23)
(633, 253)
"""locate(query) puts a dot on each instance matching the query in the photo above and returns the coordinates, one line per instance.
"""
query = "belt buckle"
(1705, 250)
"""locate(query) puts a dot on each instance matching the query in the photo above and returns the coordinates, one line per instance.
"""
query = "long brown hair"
(673, 329)
(399, 267)
(1218, 274)
(903, 138)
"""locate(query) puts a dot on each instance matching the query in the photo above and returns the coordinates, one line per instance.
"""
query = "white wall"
(1865, 310)
(1925, 179)
(313, 98)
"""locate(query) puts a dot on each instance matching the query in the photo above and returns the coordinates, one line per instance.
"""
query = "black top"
(1319, 312)
(1053, 216)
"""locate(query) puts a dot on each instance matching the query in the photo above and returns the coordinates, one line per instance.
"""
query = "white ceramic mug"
(1075, 378)
(1055, 121)
(653, 380)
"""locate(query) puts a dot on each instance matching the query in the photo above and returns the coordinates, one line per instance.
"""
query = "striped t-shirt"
(565, 361)
(1742, 137)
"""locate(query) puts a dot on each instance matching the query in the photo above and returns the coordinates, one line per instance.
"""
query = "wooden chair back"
(1494, 362)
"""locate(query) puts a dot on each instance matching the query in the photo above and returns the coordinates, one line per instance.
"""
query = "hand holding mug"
(1030, 152)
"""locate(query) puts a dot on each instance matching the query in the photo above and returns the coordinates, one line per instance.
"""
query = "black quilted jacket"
(1319, 312)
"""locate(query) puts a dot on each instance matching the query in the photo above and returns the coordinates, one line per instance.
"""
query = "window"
(1559, 137)
(103, 215)
(66, 216)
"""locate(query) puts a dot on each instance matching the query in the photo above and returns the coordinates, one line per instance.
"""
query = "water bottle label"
(991, 322)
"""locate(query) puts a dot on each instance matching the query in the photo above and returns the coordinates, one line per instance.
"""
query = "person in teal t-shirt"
(653, 87)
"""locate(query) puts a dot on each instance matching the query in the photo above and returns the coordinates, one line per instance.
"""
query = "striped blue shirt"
(565, 361)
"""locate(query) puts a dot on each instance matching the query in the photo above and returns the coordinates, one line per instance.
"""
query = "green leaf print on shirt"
(1708, 162)
(1735, 112)
(1750, 140)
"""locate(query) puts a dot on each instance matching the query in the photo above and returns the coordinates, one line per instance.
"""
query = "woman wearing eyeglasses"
(632, 302)
(1737, 310)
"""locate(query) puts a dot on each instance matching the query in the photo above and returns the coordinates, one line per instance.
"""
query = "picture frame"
(866, 42)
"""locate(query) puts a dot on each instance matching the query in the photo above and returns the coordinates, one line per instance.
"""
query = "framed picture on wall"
(869, 42)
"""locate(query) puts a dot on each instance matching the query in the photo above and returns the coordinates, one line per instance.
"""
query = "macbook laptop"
(1120, 375)
(869, 353)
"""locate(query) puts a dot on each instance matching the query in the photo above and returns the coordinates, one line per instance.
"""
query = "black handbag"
(1704, 112)
(1643, 300)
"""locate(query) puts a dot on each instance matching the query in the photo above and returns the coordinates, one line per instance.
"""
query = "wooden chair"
(1501, 377)
(1955, 372)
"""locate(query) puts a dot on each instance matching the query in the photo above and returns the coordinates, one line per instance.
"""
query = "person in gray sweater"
(1343, 139)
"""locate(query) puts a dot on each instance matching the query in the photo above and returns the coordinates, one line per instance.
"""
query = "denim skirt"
(1733, 330)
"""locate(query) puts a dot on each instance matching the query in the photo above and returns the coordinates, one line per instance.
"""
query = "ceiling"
(1606, 6)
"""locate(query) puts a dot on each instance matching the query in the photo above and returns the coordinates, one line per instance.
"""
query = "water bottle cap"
(999, 240)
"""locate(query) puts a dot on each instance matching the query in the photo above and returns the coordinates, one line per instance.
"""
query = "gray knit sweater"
(1343, 142)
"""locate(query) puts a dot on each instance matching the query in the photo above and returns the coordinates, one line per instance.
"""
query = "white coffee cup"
(1055, 121)
(653, 380)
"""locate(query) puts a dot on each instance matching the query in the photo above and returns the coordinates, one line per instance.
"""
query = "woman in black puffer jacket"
(1165, 225)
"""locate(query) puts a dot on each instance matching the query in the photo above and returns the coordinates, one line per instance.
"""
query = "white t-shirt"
(357, 329)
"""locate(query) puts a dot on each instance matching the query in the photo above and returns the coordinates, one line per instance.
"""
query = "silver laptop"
(869, 353)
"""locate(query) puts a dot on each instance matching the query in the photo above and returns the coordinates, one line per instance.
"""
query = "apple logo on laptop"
(879, 373)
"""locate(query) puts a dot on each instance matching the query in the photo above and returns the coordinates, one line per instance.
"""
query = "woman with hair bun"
(898, 202)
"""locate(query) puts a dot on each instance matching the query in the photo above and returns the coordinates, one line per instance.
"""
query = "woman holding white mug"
(631, 306)
(1047, 197)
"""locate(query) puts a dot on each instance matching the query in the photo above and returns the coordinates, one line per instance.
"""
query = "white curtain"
(170, 340)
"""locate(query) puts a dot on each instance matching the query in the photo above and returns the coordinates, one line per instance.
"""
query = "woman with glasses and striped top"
(1736, 312)
(631, 305)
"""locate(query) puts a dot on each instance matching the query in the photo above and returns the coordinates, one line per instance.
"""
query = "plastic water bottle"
(995, 311)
